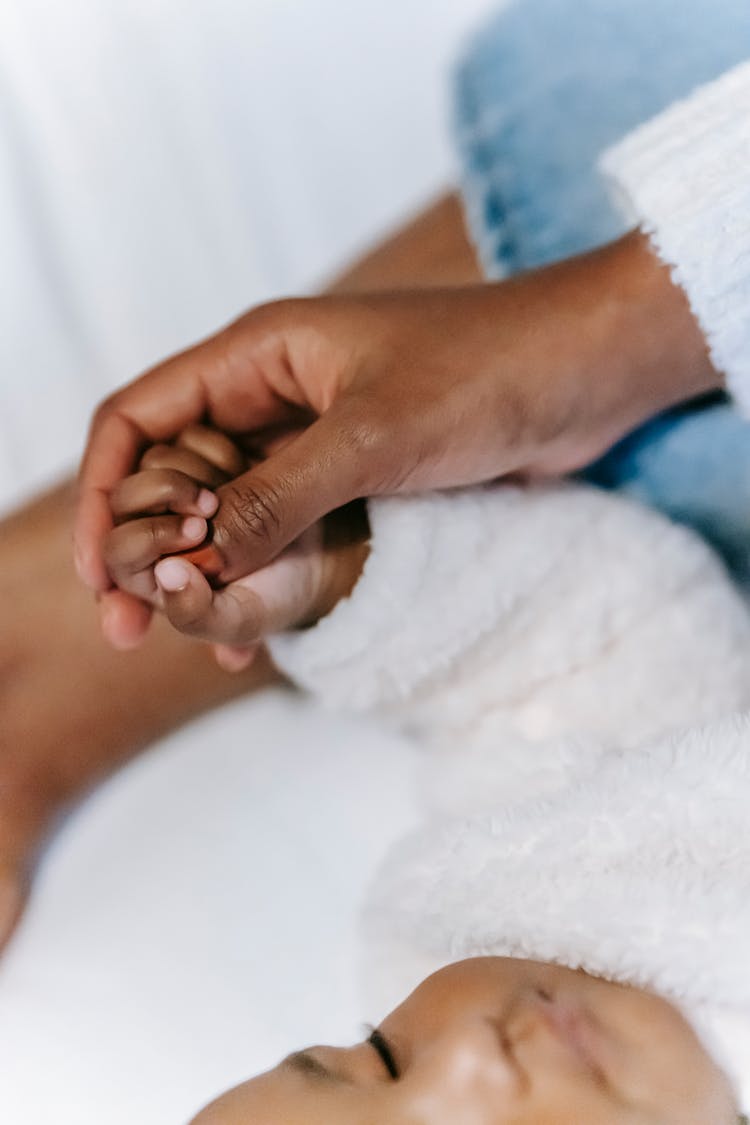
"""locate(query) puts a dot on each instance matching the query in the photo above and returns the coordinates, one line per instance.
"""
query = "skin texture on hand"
(406, 391)
(162, 511)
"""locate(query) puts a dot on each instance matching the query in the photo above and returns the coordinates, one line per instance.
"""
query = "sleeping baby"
(579, 894)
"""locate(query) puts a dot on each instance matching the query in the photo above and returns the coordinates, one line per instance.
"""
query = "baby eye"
(377, 1040)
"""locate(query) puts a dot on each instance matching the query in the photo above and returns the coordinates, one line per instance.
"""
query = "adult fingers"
(154, 408)
(124, 619)
(218, 379)
(154, 491)
(337, 459)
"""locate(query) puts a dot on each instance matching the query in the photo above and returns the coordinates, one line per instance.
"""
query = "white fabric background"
(197, 918)
(164, 164)
(167, 163)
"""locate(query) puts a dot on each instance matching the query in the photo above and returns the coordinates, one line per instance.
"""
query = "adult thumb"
(261, 512)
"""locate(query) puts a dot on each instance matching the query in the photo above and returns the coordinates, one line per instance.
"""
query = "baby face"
(494, 1041)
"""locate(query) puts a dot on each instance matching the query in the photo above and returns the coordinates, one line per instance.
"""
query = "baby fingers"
(215, 447)
(155, 491)
(132, 548)
(184, 461)
(234, 616)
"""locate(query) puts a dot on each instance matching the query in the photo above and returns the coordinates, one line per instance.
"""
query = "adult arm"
(72, 709)
(409, 391)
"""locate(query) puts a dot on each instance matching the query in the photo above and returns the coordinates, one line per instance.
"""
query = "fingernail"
(172, 575)
(208, 503)
(194, 528)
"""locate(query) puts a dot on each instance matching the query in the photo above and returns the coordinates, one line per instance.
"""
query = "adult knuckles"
(246, 332)
(362, 428)
(250, 514)
(367, 445)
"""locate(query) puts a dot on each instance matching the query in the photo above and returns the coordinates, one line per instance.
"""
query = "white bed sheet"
(196, 919)
(164, 164)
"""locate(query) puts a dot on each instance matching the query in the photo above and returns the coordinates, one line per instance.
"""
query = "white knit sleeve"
(685, 178)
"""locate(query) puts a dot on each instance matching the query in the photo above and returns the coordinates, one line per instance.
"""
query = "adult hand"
(161, 514)
(401, 392)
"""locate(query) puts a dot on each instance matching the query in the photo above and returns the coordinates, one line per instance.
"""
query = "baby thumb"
(267, 508)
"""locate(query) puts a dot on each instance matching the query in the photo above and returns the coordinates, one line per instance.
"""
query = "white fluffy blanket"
(551, 646)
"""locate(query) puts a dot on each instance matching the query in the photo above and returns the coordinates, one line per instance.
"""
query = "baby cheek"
(464, 1089)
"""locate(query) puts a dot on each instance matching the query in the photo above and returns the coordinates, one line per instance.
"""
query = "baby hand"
(163, 508)
(162, 513)
(298, 588)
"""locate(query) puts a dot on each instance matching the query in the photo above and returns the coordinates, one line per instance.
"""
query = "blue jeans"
(543, 89)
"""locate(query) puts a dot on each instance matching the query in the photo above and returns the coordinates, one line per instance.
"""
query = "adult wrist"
(614, 343)
(672, 356)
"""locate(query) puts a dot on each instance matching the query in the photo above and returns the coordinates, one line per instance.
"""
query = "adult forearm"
(631, 349)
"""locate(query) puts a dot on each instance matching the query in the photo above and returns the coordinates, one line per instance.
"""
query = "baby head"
(500, 1041)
